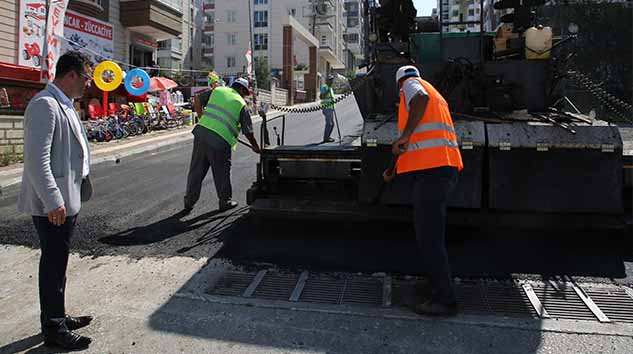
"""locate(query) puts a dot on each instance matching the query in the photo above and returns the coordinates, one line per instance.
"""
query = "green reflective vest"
(328, 101)
(222, 114)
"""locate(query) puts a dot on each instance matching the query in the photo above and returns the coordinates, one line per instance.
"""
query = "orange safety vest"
(433, 142)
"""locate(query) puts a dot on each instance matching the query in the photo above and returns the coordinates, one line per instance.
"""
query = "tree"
(262, 73)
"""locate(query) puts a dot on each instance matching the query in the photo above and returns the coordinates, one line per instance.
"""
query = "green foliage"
(262, 73)
(10, 158)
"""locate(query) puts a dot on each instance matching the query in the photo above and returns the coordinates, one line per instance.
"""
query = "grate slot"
(324, 290)
(563, 304)
(363, 291)
(276, 287)
(231, 284)
(615, 303)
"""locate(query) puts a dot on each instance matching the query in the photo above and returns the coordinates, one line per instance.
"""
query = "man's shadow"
(166, 228)
(30, 345)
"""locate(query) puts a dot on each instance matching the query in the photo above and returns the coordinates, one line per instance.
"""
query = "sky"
(424, 7)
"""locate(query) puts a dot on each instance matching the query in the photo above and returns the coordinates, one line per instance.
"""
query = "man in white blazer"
(55, 181)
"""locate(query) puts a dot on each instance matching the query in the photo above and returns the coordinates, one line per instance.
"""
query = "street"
(138, 261)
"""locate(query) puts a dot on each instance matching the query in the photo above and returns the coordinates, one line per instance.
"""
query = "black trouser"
(219, 159)
(55, 245)
(432, 189)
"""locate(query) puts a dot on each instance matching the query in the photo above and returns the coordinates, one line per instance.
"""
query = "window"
(351, 9)
(455, 13)
(231, 16)
(477, 11)
(230, 62)
(231, 38)
(292, 12)
(471, 12)
(352, 21)
(351, 38)
(261, 2)
(210, 18)
(261, 18)
(261, 41)
(209, 40)
(323, 40)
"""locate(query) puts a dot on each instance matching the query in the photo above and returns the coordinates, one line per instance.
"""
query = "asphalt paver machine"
(530, 158)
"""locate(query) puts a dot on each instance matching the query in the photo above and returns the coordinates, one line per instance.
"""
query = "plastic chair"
(95, 111)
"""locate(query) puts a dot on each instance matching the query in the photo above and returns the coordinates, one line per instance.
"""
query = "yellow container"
(538, 42)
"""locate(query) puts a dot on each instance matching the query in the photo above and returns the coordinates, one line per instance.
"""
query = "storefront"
(142, 49)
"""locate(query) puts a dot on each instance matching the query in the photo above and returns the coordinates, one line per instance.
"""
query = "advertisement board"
(80, 31)
(90, 33)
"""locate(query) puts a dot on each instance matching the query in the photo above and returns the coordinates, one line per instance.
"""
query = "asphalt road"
(136, 205)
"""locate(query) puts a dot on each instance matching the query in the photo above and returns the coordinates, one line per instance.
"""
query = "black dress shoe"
(74, 323)
(436, 308)
(67, 340)
(228, 205)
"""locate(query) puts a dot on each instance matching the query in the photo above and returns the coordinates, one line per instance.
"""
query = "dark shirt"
(211, 138)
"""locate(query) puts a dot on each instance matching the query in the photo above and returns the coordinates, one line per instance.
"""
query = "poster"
(83, 31)
(53, 42)
(32, 32)
(87, 32)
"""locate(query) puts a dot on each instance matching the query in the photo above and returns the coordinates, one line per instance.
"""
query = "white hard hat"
(242, 81)
(407, 70)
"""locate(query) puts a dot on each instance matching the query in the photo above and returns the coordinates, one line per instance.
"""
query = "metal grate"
(508, 300)
(562, 302)
(614, 302)
(323, 289)
(276, 287)
(362, 291)
(231, 284)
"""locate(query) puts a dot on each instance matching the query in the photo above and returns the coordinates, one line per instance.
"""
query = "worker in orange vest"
(427, 148)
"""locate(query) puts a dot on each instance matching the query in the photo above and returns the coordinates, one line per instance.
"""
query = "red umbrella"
(161, 84)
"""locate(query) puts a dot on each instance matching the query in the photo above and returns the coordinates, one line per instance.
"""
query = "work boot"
(436, 308)
(67, 340)
(227, 205)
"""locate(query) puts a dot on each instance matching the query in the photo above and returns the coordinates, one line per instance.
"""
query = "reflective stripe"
(215, 106)
(425, 127)
(221, 120)
(425, 144)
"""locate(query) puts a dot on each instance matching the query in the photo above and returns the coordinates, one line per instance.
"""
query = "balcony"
(207, 52)
(158, 19)
(327, 51)
(208, 29)
(208, 8)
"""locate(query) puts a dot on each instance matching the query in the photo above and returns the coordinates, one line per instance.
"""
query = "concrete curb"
(117, 154)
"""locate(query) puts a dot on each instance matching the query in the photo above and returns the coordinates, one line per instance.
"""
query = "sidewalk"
(115, 150)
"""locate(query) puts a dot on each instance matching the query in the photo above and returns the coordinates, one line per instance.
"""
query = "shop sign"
(90, 33)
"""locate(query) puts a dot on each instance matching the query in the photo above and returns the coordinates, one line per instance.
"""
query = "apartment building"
(354, 36)
(467, 11)
(185, 51)
(226, 33)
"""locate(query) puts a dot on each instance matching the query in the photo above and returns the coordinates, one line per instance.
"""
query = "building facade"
(354, 36)
(127, 31)
(467, 11)
(226, 34)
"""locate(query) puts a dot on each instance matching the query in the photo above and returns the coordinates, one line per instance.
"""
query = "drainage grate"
(323, 290)
(562, 302)
(362, 291)
(231, 284)
(508, 300)
(276, 287)
(614, 302)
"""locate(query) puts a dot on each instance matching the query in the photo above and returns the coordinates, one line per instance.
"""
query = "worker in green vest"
(327, 102)
(214, 137)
